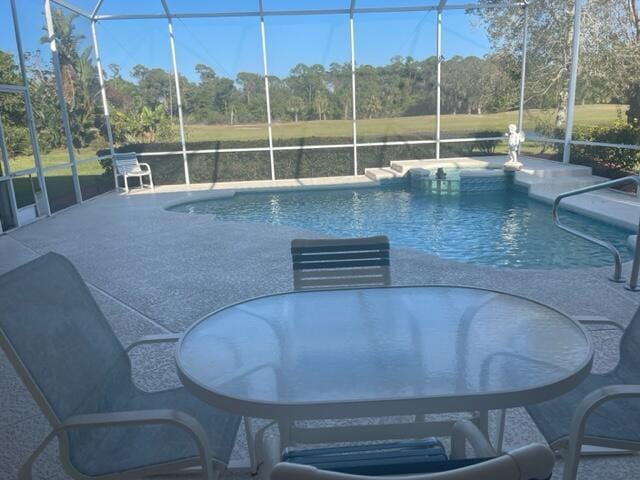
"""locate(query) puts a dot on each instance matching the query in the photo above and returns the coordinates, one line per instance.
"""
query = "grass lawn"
(414, 127)
(92, 180)
(59, 182)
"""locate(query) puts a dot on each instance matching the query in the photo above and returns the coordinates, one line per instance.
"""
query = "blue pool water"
(502, 228)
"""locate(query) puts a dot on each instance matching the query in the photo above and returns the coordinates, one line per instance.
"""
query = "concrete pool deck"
(153, 270)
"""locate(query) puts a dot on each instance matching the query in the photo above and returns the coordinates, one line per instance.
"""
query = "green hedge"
(238, 166)
(606, 161)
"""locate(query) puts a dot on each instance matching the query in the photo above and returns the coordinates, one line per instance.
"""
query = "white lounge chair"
(127, 165)
(67, 355)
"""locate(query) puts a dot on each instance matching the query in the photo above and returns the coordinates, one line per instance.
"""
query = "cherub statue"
(515, 139)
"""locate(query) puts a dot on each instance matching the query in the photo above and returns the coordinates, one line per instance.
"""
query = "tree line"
(404, 87)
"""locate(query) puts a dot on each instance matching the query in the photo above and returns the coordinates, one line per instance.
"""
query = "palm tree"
(294, 106)
(78, 77)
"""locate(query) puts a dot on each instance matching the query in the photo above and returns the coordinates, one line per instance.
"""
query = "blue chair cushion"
(395, 458)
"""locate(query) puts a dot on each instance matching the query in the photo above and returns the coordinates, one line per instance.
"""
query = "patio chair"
(66, 353)
(603, 411)
(127, 165)
(419, 460)
(340, 263)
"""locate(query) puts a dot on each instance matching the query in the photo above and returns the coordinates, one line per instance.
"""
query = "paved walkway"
(153, 270)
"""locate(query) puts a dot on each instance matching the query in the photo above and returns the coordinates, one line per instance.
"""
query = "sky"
(232, 45)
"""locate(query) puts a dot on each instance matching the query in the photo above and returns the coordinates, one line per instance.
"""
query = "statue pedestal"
(512, 166)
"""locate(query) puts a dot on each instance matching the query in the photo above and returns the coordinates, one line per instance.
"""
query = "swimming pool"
(501, 228)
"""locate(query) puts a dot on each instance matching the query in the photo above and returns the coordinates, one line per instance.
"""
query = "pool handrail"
(617, 272)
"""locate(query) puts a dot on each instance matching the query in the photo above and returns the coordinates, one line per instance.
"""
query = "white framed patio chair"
(603, 411)
(127, 165)
(402, 460)
(340, 262)
(74, 366)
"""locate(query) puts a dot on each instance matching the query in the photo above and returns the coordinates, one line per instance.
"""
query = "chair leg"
(482, 421)
(502, 418)
(25, 472)
(270, 451)
(571, 459)
(284, 428)
(255, 444)
(126, 184)
(251, 445)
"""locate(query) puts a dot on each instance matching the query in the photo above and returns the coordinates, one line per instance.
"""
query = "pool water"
(503, 228)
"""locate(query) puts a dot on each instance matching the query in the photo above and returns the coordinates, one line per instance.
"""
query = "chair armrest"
(595, 320)
(146, 165)
(467, 431)
(132, 417)
(161, 338)
(167, 417)
(581, 416)
(531, 462)
(594, 400)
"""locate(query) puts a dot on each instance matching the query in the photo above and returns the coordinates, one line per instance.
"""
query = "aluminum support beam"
(96, 9)
(438, 81)
(105, 103)
(573, 80)
(176, 75)
(55, 58)
(72, 8)
(7, 173)
(265, 66)
(523, 74)
(332, 146)
(353, 88)
(439, 59)
(12, 89)
(30, 119)
(335, 11)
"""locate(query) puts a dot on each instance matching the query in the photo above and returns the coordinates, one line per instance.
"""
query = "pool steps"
(381, 174)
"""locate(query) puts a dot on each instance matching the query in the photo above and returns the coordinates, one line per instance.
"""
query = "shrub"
(608, 161)
(240, 166)
(17, 140)
(148, 125)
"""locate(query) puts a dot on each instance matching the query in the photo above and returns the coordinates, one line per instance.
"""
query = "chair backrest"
(340, 263)
(126, 162)
(59, 341)
(533, 462)
(629, 364)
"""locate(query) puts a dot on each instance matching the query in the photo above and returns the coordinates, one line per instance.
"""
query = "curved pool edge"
(223, 192)
(201, 196)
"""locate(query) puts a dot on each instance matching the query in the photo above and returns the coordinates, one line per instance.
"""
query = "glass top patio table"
(382, 351)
